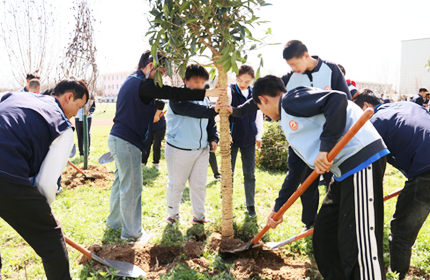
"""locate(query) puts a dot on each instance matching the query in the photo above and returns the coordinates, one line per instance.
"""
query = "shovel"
(124, 269)
(330, 157)
(105, 158)
(82, 172)
(276, 245)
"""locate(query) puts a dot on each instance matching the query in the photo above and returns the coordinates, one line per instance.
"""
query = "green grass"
(83, 213)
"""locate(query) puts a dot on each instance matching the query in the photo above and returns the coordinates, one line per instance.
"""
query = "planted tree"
(214, 33)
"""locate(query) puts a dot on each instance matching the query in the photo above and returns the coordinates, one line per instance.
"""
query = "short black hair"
(77, 87)
(269, 85)
(146, 58)
(294, 49)
(246, 69)
(342, 69)
(366, 95)
(34, 83)
(423, 89)
(31, 76)
(48, 91)
(197, 71)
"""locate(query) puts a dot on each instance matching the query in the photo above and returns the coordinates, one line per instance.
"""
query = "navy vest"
(243, 130)
(133, 119)
(29, 123)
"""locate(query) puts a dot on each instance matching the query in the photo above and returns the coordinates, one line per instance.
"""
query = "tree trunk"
(85, 128)
(226, 173)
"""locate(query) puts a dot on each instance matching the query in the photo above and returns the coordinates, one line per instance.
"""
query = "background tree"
(214, 33)
(29, 32)
(80, 59)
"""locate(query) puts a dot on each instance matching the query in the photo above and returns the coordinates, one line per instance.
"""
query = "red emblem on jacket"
(293, 125)
(327, 88)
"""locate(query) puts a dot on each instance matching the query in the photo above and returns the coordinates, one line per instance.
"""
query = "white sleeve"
(53, 165)
(229, 95)
(259, 122)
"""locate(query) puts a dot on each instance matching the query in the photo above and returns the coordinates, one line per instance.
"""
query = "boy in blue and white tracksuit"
(191, 134)
(348, 236)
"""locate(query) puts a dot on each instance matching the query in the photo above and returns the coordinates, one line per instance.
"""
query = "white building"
(112, 82)
(413, 73)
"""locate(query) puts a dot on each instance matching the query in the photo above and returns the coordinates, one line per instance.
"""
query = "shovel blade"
(246, 247)
(91, 178)
(106, 158)
(123, 269)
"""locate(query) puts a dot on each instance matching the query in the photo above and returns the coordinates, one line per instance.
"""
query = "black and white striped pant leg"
(369, 215)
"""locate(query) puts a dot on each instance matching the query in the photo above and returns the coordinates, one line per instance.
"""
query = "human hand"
(272, 223)
(214, 146)
(216, 92)
(258, 142)
(322, 165)
(156, 118)
(219, 105)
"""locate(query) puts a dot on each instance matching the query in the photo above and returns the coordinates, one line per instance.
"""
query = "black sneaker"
(251, 211)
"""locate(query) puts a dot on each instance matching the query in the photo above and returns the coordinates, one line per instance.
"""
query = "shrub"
(273, 154)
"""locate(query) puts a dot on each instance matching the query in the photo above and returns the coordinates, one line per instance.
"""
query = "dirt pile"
(71, 178)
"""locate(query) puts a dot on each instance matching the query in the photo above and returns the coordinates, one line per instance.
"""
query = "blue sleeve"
(212, 131)
(308, 102)
(292, 180)
(338, 81)
(189, 109)
(6, 96)
(245, 109)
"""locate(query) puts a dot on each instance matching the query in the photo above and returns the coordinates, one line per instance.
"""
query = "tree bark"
(226, 172)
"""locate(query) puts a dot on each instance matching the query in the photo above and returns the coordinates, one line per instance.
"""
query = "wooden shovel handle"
(75, 167)
(330, 157)
(78, 247)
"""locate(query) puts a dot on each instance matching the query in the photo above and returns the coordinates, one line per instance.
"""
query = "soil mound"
(71, 178)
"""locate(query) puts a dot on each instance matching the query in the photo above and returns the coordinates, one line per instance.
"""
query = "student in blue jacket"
(128, 139)
(405, 128)
(36, 138)
(191, 134)
(348, 236)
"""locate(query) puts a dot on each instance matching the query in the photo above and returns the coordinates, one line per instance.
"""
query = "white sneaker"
(57, 192)
(141, 240)
(157, 166)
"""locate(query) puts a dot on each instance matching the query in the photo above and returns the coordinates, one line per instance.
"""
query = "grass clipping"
(226, 173)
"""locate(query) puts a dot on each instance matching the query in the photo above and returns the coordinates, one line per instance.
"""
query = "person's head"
(34, 86)
(146, 63)
(48, 91)
(72, 95)
(423, 92)
(196, 76)
(31, 76)
(342, 69)
(267, 93)
(245, 77)
(297, 56)
(365, 98)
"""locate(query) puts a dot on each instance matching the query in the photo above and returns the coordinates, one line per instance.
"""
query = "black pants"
(25, 209)
(348, 234)
(80, 133)
(157, 138)
(311, 198)
(214, 164)
(412, 210)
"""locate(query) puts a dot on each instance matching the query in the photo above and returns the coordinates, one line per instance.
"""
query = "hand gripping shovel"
(276, 245)
(124, 269)
(330, 157)
(82, 172)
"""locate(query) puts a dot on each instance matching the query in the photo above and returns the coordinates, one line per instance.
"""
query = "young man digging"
(349, 227)
(36, 138)
(191, 133)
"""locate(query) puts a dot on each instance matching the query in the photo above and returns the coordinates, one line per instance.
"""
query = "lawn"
(83, 211)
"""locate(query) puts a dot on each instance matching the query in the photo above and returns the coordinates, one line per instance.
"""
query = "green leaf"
(166, 11)
(233, 58)
(159, 78)
(168, 66)
(258, 73)
(253, 47)
(191, 20)
(234, 67)
(269, 31)
(183, 6)
(193, 46)
(227, 65)
(182, 70)
(261, 62)
(154, 50)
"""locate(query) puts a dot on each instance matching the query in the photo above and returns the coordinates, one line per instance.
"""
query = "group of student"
(315, 108)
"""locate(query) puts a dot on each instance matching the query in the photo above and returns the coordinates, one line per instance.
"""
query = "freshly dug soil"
(71, 178)
(156, 260)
